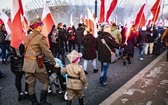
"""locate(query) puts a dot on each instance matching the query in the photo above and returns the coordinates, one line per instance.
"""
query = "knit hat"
(73, 56)
(36, 22)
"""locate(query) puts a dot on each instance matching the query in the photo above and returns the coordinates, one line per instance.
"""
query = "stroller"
(57, 80)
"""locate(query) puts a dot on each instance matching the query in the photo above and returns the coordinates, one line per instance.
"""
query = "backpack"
(54, 36)
(2, 37)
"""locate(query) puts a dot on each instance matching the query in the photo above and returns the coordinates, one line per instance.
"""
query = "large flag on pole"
(102, 11)
(7, 22)
(111, 8)
(17, 36)
(90, 22)
(156, 10)
(48, 20)
(140, 19)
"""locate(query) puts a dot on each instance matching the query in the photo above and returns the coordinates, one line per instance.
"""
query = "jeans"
(117, 52)
(3, 51)
(80, 48)
(142, 49)
(104, 68)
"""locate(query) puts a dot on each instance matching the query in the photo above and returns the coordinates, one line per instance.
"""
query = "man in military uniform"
(36, 44)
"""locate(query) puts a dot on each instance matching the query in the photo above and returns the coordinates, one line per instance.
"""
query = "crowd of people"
(122, 40)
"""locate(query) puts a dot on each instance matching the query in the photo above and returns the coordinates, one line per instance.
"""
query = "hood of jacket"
(102, 34)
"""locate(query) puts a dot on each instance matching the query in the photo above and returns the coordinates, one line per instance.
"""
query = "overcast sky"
(8, 3)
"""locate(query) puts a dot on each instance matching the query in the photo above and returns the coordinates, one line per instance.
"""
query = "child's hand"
(85, 87)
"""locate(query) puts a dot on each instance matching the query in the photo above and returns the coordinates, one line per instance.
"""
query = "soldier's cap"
(36, 22)
(74, 56)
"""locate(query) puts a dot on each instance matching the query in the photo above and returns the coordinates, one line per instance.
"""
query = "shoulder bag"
(113, 56)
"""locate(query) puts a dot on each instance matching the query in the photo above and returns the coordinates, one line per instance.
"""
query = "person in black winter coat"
(129, 44)
(150, 40)
(142, 40)
(89, 50)
(61, 42)
(79, 35)
(104, 54)
(16, 64)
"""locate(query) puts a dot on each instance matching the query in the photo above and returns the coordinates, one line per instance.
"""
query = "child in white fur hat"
(76, 77)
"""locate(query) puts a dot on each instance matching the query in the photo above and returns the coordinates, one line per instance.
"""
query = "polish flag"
(155, 10)
(140, 19)
(111, 9)
(48, 21)
(81, 19)
(102, 11)
(71, 20)
(16, 25)
(7, 22)
(90, 22)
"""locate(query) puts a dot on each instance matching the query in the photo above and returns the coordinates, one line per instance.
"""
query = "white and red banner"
(106, 9)
(7, 21)
(17, 36)
(91, 23)
(141, 16)
(155, 10)
(48, 20)
(111, 9)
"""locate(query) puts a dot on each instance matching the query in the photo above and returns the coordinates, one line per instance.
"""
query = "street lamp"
(95, 8)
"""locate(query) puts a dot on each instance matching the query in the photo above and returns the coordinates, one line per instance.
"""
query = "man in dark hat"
(36, 45)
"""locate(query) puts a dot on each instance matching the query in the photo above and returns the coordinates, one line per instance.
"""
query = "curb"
(132, 81)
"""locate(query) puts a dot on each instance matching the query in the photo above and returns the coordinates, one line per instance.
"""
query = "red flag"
(16, 26)
(140, 18)
(7, 22)
(112, 6)
(156, 10)
(47, 20)
(102, 11)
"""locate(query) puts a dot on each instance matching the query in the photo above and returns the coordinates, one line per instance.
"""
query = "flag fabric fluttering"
(71, 20)
(48, 21)
(90, 22)
(102, 11)
(155, 10)
(7, 22)
(111, 9)
(17, 36)
(140, 18)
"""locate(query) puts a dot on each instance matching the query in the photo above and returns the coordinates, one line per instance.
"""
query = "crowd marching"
(71, 42)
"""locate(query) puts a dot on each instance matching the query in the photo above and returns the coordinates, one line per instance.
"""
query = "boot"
(43, 97)
(69, 102)
(80, 101)
(34, 99)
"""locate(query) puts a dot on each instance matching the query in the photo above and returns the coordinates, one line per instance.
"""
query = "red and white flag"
(71, 21)
(7, 22)
(140, 19)
(48, 21)
(111, 9)
(90, 22)
(17, 36)
(102, 11)
(155, 10)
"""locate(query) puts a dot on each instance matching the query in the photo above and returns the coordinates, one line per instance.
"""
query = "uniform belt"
(30, 57)
(73, 77)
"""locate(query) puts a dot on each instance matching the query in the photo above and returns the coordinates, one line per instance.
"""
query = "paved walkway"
(148, 87)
